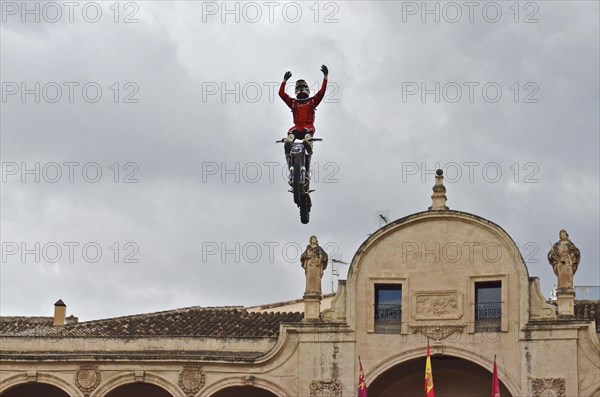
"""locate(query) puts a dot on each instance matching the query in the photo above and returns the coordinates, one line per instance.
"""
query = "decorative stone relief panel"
(437, 305)
(548, 387)
(326, 388)
(437, 332)
(87, 378)
(192, 379)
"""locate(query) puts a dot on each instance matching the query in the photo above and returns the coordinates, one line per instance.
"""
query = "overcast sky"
(175, 104)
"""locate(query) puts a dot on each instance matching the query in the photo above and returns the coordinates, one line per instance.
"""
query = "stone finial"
(439, 193)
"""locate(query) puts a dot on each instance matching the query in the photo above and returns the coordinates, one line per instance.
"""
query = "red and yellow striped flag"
(428, 375)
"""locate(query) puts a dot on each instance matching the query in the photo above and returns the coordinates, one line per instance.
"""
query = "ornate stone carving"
(539, 309)
(327, 315)
(31, 376)
(192, 379)
(439, 305)
(139, 376)
(87, 378)
(437, 332)
(548, 387)
(326, 388)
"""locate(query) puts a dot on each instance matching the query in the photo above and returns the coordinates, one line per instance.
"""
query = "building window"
(388, 308)
(488, 306)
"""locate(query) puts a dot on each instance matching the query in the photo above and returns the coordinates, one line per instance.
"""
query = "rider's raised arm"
(319, 95)
(286, 98)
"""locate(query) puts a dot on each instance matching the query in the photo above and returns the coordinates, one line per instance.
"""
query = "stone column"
(312, 307)
(566, 303)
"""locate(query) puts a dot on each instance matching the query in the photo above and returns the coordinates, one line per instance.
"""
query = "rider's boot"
(287, 148)
(287, 144)
(307, 174)
(288, 160)
(308, 144)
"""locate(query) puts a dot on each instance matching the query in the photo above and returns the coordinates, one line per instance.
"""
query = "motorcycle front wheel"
(304, 205)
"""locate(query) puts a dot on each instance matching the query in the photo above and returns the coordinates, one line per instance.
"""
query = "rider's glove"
(287, 75)
(324, 70)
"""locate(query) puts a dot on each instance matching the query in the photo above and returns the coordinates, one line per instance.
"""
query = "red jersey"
(303, 111)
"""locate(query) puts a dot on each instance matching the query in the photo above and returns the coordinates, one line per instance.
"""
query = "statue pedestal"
(566, 303)
(312, 307)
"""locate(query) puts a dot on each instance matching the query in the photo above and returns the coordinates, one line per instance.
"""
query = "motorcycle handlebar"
(282, 140)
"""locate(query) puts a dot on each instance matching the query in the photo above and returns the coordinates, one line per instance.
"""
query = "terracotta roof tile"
(10, 325)
(224, 322)
(588, 310)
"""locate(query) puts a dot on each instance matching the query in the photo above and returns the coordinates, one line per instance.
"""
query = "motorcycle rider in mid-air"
(303, 110)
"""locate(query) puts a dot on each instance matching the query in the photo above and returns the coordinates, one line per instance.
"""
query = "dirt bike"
(299, 177)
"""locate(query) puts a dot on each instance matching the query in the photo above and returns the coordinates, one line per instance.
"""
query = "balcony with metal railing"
(488, 317)
(388, 318)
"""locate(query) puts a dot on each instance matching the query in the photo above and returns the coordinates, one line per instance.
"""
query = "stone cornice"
(127, 356)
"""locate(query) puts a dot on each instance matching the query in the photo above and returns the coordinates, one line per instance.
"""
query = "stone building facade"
(443, 277)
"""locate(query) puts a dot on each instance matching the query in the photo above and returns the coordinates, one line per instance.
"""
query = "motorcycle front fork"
(291, 168)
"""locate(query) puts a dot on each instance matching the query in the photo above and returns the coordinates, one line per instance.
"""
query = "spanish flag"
(362, 384)
(428, 375)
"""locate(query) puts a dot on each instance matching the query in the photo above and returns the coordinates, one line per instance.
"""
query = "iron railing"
(388, 318)
(488, 317)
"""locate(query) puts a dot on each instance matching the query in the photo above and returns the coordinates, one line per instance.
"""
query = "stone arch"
(246, 391)
(240, 381)
(428, 216)
(449, 351)
(129, 378)
(46, 378)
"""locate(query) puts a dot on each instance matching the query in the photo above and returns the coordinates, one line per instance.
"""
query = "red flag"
(428, 375)
(362, 384)
(495, 381)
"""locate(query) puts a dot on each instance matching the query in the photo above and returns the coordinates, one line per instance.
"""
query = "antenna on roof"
(335, 272)
(383, 216)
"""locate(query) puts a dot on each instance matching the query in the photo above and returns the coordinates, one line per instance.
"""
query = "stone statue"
(564, 258)
(314, 261)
